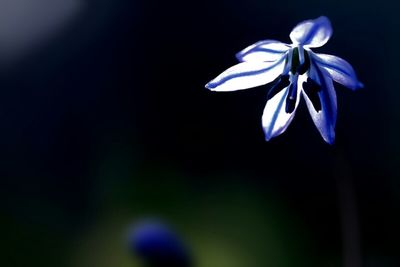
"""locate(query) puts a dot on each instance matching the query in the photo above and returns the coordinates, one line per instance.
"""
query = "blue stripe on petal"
(312, 33)
(339, 69)
(329, 108)
(270, 128)
(247, 75)
(212, 85)
(325, 119)
(333, 67)
(268, 50)
(275, 119)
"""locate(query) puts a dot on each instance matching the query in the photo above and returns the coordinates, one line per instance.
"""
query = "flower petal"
(312, 33)
(339, 69)
(275, 119)
(325, 119)
(247, 75)
(267, 50)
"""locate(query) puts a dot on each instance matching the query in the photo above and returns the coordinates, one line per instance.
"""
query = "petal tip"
(357, 86)
(267, 137)
(209, 86)
(271, 133)
(239, 56)
(312, 33)
(323, 18)
(330, 137)
(330, 141)
(268, 133)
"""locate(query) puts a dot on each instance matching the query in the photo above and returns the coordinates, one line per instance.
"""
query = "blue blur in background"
(157, 245)
(105, 120)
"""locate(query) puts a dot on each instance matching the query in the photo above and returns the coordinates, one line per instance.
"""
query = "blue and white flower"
(295, 72)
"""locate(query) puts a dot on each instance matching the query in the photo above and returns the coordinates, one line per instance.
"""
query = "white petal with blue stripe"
(247, 75)
(312, 33)
(339, 69)
(267, 50)
(325, 119)
(275, 119)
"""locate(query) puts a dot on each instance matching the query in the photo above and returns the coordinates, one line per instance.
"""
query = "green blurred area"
(225, 224)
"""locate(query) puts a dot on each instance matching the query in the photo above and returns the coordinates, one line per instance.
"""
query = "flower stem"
(348, 213)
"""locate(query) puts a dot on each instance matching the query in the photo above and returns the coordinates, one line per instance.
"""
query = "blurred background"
(105, 121)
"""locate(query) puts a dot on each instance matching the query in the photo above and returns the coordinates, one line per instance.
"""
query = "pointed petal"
(339, 69)
(275, 119)
(267, 50)
(312, 33)
(247, 75)
(325, 119)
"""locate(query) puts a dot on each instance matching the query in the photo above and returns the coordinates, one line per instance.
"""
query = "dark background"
(107, 121)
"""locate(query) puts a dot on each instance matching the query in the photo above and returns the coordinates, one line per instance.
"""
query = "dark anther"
(295, 60)
(291, 98)
(306, 64)
(313, 84)
(281, 82)
(312, 89)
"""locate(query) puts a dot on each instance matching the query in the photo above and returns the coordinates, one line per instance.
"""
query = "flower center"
(300, 61)
(300, 64)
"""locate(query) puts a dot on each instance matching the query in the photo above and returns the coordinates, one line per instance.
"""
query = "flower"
(295, 72)
(157, 245)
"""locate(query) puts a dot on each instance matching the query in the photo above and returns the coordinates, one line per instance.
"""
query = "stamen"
(312, 89)
(291, 98)
(306, 64)
(313, 84)
(281, 82)
(301, 54)
(295, 60)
